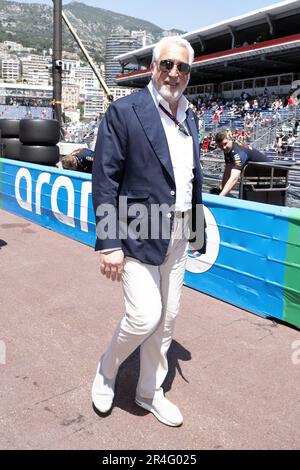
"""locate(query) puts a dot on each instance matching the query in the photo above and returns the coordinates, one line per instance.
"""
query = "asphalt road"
(232, 374)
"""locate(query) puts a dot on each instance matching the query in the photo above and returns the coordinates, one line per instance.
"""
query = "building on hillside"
(12, 46)
(35, 69)
(117, 44)
(94, 103)
(68, 71)
(119, 92)
(10, 69)
(86, 79)
(143, 38)
(70, 97)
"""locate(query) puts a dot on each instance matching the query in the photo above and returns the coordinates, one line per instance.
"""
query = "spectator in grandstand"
(216, 120)
(265, 93)
(296, 125)
(79, 160)
(236, 156)
(229, 134)
(290, 142)
(277, 104)
(212, 143)
(291, 101)
(246, 105)
(43, 114)
(279, 146)
(205, 144)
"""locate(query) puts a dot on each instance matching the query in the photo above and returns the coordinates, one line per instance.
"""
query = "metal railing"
(23, 112)
(260, 128)
(264, 137)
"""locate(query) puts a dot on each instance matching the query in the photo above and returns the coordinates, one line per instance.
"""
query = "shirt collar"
(183, 103)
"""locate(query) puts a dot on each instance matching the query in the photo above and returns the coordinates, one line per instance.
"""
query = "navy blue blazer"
(132, 160)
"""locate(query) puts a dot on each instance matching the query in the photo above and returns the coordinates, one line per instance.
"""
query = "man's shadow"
(175, 354)
(129, 373)
(2, 243)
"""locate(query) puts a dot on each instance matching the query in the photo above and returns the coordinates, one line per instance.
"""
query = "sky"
(186, 15)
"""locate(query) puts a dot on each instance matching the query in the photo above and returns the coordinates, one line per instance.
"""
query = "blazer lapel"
(191, 123)
(149, 118)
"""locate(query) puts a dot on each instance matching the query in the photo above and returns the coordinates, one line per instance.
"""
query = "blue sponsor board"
(57, 199)
(246, 252)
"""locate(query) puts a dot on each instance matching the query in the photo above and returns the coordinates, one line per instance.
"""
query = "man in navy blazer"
(146, 186)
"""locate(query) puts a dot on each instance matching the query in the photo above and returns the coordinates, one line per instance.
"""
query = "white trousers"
(152, 297)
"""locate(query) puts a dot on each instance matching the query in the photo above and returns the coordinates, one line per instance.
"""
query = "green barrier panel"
(291, 303)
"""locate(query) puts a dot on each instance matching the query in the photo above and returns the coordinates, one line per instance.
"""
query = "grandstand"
(23, 112)
(25, 95)
(244, 70)
(245, 54)
(253, 55)
(20, 100)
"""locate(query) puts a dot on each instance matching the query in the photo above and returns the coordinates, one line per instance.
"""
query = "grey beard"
(165, 93)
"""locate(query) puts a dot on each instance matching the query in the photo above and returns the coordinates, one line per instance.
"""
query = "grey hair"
(172, 40)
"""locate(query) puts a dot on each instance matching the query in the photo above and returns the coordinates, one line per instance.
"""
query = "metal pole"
(57, 60)
(107, 92)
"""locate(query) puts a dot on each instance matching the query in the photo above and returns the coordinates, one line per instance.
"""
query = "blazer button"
(172, 193)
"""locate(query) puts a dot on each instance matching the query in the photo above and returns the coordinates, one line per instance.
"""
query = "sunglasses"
(168, 64)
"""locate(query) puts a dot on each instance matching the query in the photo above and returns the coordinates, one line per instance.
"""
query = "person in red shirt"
(291, 101)
(205, 144)
(216, 117)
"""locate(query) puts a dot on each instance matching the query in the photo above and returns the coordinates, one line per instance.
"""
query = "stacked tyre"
(9, 132)
(38, 141)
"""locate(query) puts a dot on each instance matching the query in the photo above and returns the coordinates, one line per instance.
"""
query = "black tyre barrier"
(11, 148)
(9, 127)
(43, 155)
(39, 131)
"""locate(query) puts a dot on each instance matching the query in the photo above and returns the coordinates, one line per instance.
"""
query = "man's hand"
(112, 264)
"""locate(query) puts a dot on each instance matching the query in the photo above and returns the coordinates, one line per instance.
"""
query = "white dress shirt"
(181, 152)
(180, 147)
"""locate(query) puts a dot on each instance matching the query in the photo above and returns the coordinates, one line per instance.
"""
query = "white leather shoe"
(103, 391)
(164, 410)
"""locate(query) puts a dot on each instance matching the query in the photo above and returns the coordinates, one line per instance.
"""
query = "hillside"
(31, 25)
